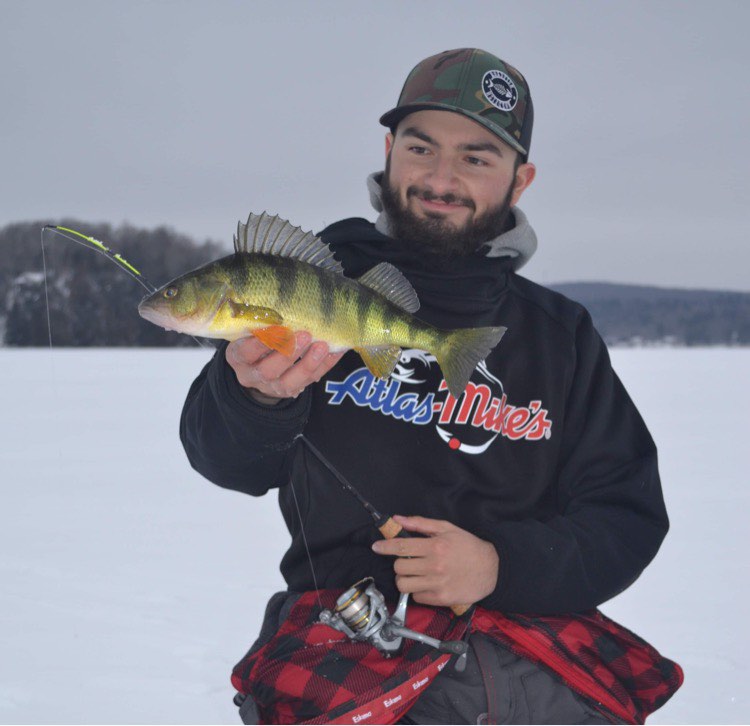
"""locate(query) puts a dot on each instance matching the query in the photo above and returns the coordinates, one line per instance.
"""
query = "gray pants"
(504, 689)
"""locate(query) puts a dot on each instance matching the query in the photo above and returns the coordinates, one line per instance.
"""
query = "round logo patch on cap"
(499, 90)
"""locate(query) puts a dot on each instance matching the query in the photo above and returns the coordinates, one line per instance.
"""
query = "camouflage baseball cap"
(476, 84)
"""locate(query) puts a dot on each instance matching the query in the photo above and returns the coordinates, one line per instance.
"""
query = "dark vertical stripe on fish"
(327, 302)
(288, 277)
(364, 302)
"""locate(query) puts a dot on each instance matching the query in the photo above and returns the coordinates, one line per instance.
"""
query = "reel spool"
(357, 608)
(361, 614)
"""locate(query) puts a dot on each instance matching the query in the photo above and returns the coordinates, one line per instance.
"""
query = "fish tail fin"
(462, 350)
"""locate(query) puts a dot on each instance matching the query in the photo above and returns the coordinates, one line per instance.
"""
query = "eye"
(418, 150)
(170, 292)
(476, 161)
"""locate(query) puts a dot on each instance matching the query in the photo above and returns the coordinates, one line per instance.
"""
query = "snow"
(30, 278)
(130, 585)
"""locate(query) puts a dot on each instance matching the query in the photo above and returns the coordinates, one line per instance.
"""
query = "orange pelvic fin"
(277, 337)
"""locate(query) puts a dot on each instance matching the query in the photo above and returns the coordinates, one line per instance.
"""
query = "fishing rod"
(361, 612)
(388, 527)
(96, 245)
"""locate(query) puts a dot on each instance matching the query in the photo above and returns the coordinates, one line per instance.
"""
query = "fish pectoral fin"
(277, 337)
(380, 360)
(254, 313)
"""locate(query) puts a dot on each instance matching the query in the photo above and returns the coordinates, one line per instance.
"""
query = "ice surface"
(130, 585)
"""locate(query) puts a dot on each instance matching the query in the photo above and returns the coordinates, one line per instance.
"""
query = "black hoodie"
(544, 455)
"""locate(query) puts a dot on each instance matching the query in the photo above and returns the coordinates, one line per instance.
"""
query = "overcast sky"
(192, 114)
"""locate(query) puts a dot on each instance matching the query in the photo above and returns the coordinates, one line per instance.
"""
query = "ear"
(388, 143)
(524, 176)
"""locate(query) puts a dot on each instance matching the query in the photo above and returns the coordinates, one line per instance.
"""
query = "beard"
(433, 238)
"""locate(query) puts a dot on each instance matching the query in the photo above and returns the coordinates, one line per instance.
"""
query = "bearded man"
(535, 492)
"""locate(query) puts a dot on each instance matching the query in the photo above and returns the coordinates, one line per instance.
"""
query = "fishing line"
(55, 386)
(307, 547)
(46, 291)
(388, 527)
(116, 258)
(96, 245)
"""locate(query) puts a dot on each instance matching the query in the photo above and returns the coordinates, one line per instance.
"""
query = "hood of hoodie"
(518, 243)
(465, 296)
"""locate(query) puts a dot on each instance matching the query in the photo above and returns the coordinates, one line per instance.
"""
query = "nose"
(441, 177)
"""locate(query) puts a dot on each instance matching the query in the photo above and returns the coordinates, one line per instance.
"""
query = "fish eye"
(170, 292)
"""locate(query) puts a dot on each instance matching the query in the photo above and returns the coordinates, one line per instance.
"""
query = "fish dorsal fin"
(270, 235)
(389, 282)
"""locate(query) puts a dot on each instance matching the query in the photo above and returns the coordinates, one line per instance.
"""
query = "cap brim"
(393, 117)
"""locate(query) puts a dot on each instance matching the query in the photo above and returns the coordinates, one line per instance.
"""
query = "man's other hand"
(449, 566)
(271, 376)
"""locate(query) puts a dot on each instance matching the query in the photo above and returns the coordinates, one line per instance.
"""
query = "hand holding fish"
(434, 568)
(272, 376)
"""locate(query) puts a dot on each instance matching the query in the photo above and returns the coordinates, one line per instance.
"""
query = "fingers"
(424, 525)
(245, 352)
(417, 566)
(426, 589)
(315, 362)
(448, 566)
(404, 547)
(423, 577)
(313, 365)
(276, 375)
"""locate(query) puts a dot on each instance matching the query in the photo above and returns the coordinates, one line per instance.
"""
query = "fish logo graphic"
(499, 90)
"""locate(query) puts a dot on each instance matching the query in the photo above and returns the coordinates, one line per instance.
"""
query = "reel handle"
(455, 647)
(391, 529)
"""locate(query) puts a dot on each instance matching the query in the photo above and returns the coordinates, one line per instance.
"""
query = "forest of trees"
(641, 315)
(93, 303)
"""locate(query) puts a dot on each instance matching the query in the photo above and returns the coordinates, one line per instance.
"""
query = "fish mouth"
(163, 318)
(160, 312)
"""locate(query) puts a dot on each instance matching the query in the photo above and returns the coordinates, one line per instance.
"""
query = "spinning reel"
(361, 614)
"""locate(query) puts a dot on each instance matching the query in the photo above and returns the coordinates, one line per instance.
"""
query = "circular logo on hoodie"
(500, 90)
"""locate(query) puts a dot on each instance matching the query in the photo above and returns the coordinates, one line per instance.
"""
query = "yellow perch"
(281, 279)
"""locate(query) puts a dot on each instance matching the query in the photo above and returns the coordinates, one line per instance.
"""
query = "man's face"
(449, 183)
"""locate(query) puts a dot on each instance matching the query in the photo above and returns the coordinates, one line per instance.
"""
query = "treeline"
(91, 301)
(638, 315)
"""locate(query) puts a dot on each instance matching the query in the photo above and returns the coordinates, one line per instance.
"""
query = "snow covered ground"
(129, 586)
